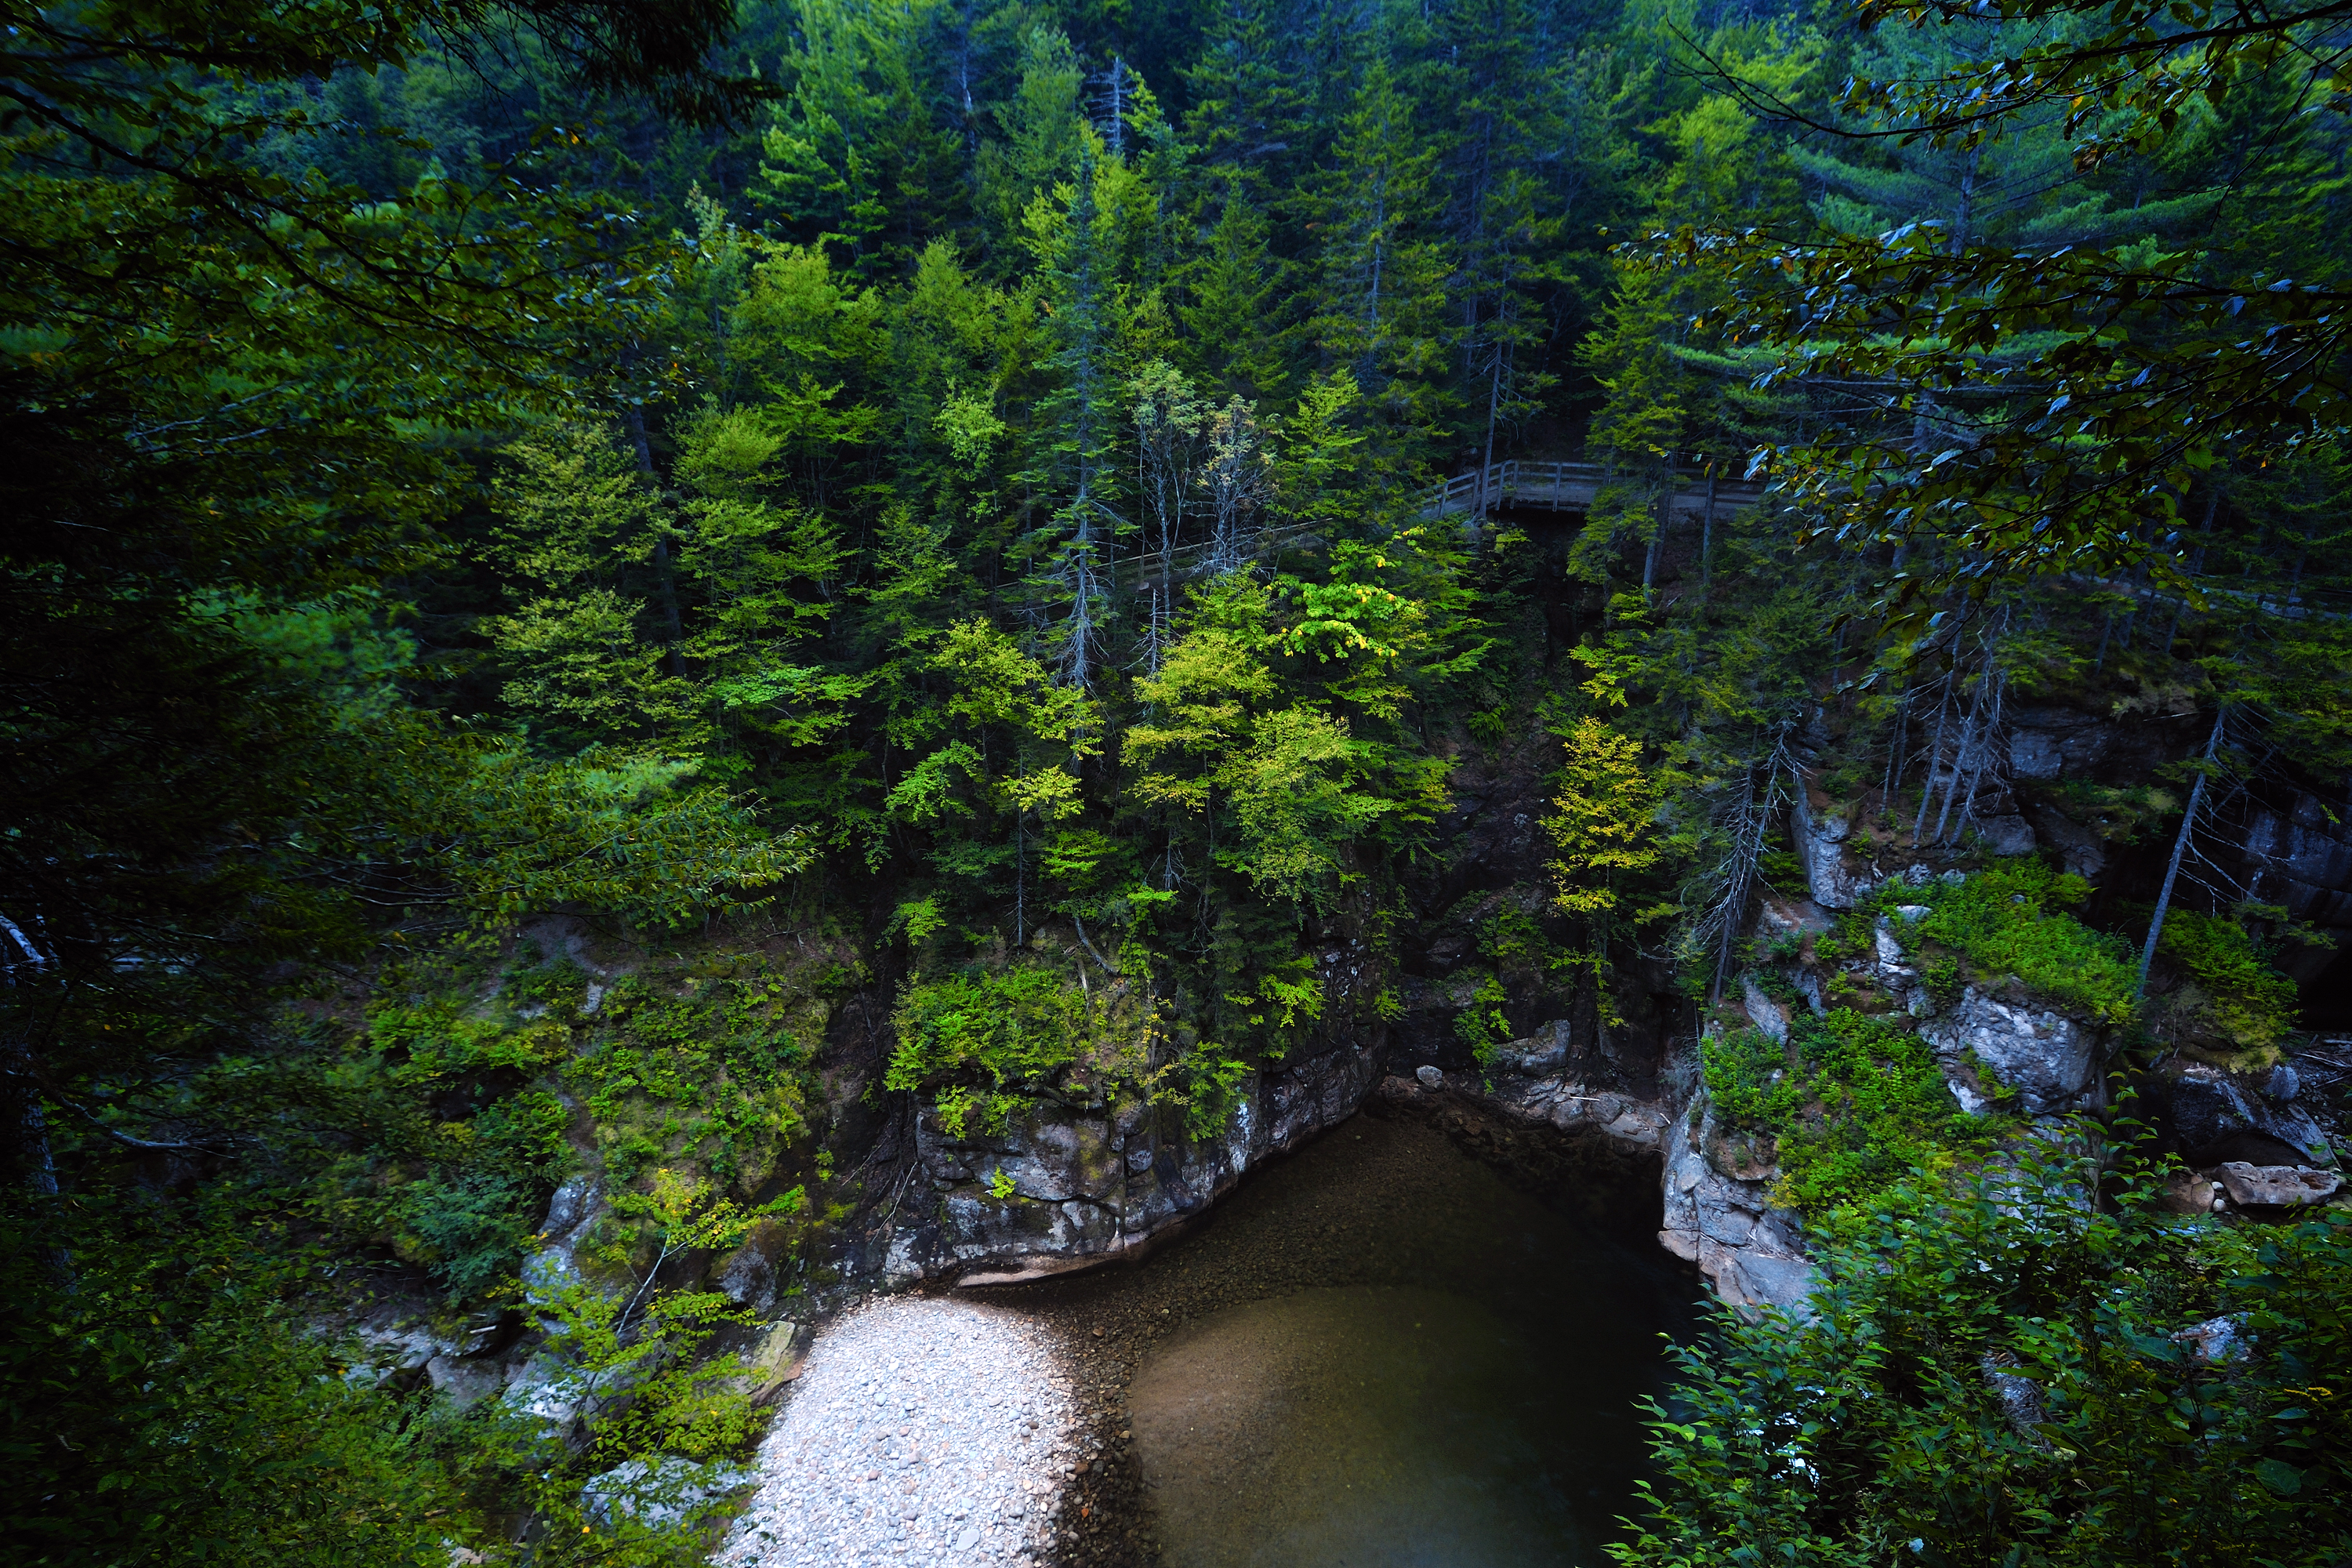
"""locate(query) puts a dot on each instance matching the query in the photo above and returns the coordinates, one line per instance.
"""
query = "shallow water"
(1378, 1353)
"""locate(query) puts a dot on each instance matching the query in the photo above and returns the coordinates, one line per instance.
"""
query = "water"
(1380, 1353)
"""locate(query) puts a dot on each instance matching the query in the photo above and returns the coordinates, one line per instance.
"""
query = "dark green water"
(1378, 1354)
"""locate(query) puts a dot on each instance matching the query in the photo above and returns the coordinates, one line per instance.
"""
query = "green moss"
(1855, 1103)
(2011, 921)
(2234, 1000)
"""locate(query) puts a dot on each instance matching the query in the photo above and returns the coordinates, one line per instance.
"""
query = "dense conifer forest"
(935, 508)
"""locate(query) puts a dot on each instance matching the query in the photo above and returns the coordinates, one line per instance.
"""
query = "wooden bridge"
(1572, 487)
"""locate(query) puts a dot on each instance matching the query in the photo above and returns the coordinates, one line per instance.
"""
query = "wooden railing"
(1570, 486)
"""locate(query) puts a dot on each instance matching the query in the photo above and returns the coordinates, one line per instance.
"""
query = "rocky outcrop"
(1821, 834)
(2047, 1057)
(1076, 1182)
(1751, 1250)
(2214, 1116)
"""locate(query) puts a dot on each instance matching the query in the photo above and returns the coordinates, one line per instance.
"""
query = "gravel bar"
(922, 1431)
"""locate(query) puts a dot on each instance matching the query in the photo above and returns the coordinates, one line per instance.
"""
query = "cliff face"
(1617, 1117)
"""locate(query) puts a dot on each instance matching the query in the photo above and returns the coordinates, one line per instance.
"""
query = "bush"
(2011, 919)
(1855, 1104)
(2247, 1005)
(1875, 1433)
(1014, 1029)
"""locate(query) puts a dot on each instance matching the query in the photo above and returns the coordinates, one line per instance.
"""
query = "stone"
(747, 1278)
(1763, 1011)
(771, 1362)
(2020, 1396)
(2080, 850)
(969, 1539)
(463, 1383)
(1751, 1252)
(666, 1491)
(1539, 1055)
(2007, 835)
(2187, 1192)
(2045, 1056)
(1430, 1077)
(571, 1213)
(2214, 1341)
(2278, 1186)
(2217, 1116)
(1829, 876)
(1912, 914)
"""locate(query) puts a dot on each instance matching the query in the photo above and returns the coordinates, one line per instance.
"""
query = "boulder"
(2214, 1341)
(2080, 850)
(2219, 1116)
(2045, 1056)
(1751, 1250)
(463, 1382)
(2007, 835)
(748, 1278)
(571, 1213)
(2187, 1192)
(1763, 1011)
(773, 1360)
(663, 1492)
(2276, 1186)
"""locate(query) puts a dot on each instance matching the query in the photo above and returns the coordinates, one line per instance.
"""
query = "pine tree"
(1232, 294)
(1075, 461)
(1040, 123)
(1379, 301)
(854, 156)
(1248, 120)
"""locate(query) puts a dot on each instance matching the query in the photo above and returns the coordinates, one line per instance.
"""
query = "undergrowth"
(2011, 919)
(700, 1064)
(1853, 1102)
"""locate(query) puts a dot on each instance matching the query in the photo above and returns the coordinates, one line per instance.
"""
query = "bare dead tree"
(1239, 477)
(1752, 800)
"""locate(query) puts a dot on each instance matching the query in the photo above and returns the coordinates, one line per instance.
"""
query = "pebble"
(922, 1432)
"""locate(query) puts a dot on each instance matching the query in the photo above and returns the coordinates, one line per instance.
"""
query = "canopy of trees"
(961, 469)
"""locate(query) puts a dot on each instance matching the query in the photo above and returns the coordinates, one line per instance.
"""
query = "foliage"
(2010, 919)
(1855, 1104)
(2236, 999)
(172, 1408)
(1013, 1029)
(1994, 1371)
(1481, 1025)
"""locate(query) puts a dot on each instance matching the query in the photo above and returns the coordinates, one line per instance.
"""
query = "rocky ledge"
(1076, 1183)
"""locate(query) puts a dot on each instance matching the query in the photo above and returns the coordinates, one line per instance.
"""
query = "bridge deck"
(1572, 487)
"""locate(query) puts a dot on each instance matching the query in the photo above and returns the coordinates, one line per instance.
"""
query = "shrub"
(2011, 919)
(1853, 1102)
(2247, 1004)
(1481, 1025)
(1872, 1432)
(1017, 1027)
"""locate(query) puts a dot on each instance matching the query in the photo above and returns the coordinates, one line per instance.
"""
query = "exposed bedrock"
(1074, 1182)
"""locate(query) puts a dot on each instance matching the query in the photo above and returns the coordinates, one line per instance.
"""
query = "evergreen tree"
(1233, 294)
(855, 157)
(1380, 303)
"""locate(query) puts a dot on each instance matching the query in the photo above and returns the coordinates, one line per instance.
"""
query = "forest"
(935, 508)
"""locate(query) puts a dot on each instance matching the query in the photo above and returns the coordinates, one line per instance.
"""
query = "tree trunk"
(2179, 848)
